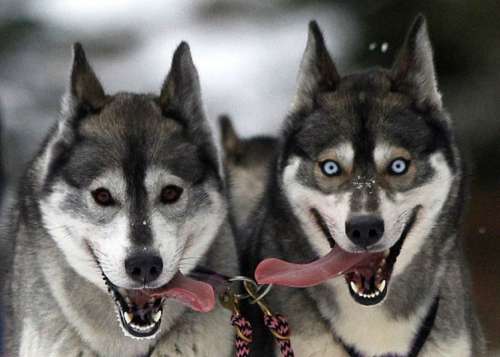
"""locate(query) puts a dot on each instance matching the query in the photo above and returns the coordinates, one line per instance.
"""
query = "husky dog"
(368, 185)
(124, 197)
(246, 166)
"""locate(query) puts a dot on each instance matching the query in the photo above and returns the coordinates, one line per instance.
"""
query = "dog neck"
(418, 342)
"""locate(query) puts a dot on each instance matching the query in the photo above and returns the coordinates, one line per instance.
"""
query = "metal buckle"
(230, 301)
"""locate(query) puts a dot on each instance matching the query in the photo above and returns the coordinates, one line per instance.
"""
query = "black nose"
(364, 230)
(144, 268)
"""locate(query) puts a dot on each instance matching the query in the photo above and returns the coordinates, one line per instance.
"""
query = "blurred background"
(248, 53)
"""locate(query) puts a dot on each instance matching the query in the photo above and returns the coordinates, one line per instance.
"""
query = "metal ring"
(280, 337)
(242, 336)
(241, 278)
(258, 294)
(263, 294)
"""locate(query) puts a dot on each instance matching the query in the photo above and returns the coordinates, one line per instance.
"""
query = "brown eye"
(103, 197)
(170, 194)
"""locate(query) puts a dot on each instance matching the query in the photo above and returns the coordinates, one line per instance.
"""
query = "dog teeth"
(381, 286)
(354, 287)
(142, 328)
(157, 316)
(129, 317)
(369, 296)
(379, 290)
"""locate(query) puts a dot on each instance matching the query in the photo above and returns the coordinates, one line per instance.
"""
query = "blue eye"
(330, 168)
(399, 166)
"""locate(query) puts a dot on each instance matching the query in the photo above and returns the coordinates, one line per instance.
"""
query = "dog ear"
(180, 99)
(181, 94)
(317, 73)
(85, 90)
(85, 94)
(413, 71)
(230, 140)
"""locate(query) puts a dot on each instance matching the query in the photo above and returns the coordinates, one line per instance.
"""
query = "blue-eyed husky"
(368, 188)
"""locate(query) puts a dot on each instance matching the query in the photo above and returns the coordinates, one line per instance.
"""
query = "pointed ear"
(230, 140)
(317, 73)
(181, 93)
(180, 99)
(85, 94)
(85, 89)
(413, 72)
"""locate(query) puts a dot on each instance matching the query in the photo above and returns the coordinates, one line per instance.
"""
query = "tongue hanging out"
(196, 294)
(367, 274)
(335, 263)
(140, 310)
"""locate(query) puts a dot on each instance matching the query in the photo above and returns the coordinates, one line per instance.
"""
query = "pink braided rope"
(242, 346)
(279, 325)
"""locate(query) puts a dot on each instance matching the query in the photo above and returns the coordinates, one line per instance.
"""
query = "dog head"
(130, 187)
(368, 160)
(246, 164)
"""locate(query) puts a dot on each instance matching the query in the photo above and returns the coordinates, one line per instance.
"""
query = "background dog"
(246, 166)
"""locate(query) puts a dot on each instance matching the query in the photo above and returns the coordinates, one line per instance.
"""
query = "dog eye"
(170, 194)
(103, 197)
(399, 166)
(330, 168)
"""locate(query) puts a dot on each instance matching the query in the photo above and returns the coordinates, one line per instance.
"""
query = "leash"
(277, 324)
(230, 298)
(230, 301)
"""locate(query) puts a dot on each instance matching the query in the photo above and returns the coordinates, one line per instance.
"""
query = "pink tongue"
(196, 294)
(280, 272)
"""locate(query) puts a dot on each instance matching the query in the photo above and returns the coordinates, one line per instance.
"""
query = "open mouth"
(368, 281)
(367, 274)
(140, 311)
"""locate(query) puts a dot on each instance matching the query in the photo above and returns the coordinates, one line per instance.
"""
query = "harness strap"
(419, 341)
(425, 329)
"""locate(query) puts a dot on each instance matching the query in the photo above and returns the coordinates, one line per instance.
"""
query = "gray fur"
(413, 72)
(59, 310)
(3, 179)
(317, 71)
(400, 107)
(246, 166)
